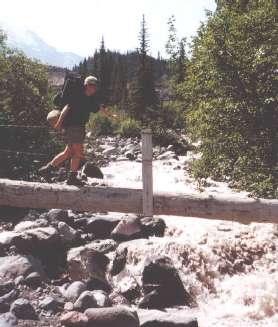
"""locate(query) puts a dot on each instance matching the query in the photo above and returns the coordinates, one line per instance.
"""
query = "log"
(99, 199)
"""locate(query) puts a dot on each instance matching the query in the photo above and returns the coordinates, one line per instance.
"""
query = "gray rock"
(32, 240)
(130, 155)
(8, 320)
(102, 299)
(91, 170)
(153, 226)
(162, 284)
(128, 228)
(50, 304)
(14, 266)
(88, 265)
(86, 300)
(111, 317)
(119, 262)
(67, 233)
(6, 300)
(157, 318)
(100, 226)
(74, 290)
(33, 280)
(23, 309)
(57, 215)
(74, 319)
(6, 287)
(118, 299)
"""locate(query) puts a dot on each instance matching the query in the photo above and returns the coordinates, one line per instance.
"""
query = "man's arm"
(62, 116)
(105, 112)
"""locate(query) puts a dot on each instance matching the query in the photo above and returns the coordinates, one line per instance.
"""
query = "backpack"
(73, 84)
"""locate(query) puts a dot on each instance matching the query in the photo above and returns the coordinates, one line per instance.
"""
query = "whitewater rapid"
(230, 268)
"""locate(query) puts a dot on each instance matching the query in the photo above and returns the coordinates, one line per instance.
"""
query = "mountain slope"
(35, 47)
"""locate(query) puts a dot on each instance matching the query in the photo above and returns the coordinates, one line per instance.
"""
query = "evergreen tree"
(143, 93)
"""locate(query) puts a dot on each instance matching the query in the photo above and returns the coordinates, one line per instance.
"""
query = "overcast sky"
(77, 26)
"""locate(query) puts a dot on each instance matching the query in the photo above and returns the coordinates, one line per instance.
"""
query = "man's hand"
(105, 112)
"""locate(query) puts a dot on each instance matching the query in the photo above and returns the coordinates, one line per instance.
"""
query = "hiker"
(77, 107)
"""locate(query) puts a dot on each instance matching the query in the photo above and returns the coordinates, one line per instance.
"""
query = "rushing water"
(230, 268)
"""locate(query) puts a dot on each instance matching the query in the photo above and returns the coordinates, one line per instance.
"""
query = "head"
(90, 85)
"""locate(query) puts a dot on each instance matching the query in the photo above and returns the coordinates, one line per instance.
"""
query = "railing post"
(147, 173)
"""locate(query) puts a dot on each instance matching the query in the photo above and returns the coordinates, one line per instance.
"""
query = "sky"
(78, 26)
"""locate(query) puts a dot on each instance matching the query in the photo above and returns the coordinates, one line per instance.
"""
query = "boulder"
(50, 304)
(88, 265)
(86, 300)
(102, 299)
(153, 226)
(91, 170)
(162, 284)
(119, 262)
(23, 309)
(74, 319)
(127, 229)
(111, 317)
(19, 265)
(67, 233)
(74, 290)
(101, 226)
(5, 300)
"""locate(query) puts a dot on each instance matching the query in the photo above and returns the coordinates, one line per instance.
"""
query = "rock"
(6, 299)
(128, 228)
(101, 227)
(153, 226)
(74, 290)
(130, 155)
(37, 239)
(91, 170)
(118, 299)
(28, 224)
(33, 280)
(129, 288)
(103, 246)
(50, 304)
(67, 233)
(86, 300)
(88, 265)
(119, 262)
(162, 285)
(69, 306)
(14, 266)
(6, 287)
(23, 309)
(8, 320)
(156, 318)
(74, 319)
(102, 299)
(112, 317)
(58, 215)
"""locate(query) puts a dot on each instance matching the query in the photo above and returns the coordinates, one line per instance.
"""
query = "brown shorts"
(73, 134)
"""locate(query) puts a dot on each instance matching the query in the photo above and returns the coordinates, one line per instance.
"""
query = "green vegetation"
(231, 95)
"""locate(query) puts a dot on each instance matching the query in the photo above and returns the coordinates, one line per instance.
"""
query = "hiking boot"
(46, 172)
(74, 180)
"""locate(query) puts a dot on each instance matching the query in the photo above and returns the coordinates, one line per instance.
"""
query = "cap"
(92, 80)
